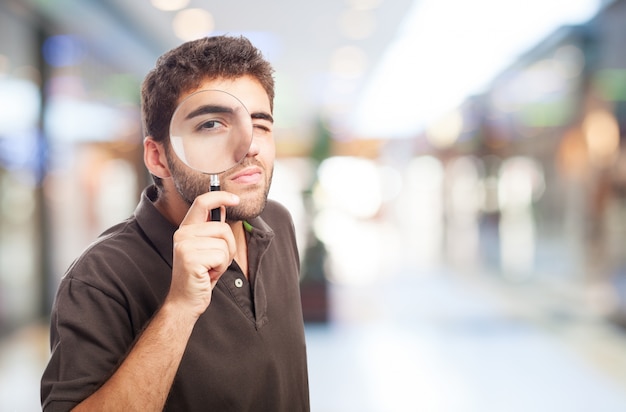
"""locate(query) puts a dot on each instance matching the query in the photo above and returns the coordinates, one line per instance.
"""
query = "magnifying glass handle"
(215, 185)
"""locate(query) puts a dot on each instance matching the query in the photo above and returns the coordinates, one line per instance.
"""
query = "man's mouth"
(249, 175)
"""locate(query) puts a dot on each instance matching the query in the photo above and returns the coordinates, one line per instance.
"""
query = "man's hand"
(203, 250)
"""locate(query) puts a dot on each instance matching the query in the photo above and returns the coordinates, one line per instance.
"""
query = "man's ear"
(154, 158)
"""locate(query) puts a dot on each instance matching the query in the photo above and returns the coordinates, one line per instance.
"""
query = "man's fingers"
(204, 255)
(203, 236)
(201, 208)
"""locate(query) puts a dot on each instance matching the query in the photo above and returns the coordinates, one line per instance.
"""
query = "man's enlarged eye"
(210, 125)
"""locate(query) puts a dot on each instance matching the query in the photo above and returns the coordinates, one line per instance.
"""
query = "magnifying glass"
(211, 132)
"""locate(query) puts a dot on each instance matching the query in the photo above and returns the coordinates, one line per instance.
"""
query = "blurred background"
(456, 171)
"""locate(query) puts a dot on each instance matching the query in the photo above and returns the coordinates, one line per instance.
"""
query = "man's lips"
(249, 175)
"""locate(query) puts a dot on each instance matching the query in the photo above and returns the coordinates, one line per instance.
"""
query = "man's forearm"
(143, 380)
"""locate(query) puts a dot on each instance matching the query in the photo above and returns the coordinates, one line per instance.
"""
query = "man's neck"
(241, 242)
(173, 208)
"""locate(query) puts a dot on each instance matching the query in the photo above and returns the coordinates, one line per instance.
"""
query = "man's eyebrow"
(262, 116)
(208, 109)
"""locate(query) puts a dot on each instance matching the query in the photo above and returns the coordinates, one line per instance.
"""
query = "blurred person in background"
(168, 310)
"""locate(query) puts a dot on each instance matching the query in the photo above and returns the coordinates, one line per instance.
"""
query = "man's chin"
(245, 211)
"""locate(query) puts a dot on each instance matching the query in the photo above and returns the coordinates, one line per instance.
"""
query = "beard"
(190, 184)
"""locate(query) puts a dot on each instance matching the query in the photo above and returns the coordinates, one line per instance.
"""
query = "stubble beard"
(190, 184)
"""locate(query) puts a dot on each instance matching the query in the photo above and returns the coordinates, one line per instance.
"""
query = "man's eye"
(262, 127)
(211, 124)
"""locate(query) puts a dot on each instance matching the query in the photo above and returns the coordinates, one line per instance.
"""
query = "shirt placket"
(239, 288)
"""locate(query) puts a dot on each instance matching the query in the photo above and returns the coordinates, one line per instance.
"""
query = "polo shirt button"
(238, 282)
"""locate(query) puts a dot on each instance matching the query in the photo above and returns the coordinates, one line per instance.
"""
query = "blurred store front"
(69, 160)
(531, 171)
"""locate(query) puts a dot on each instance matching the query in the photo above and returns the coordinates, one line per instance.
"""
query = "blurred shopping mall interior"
(456, 172)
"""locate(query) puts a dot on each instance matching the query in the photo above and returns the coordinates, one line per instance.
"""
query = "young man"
(169, 310)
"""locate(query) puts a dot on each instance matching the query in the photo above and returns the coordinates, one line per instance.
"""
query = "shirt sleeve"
(89, 336)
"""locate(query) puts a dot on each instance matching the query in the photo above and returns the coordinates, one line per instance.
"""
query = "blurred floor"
(428, 342)
(438, 342)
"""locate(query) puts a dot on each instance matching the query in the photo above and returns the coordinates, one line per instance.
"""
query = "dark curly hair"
(187, 66)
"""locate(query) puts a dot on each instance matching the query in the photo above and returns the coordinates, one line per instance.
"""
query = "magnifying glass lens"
(211, 131)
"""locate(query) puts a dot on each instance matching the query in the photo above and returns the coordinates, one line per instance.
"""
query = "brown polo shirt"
(247, 351)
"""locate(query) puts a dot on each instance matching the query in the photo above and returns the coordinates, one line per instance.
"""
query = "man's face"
(250, 179)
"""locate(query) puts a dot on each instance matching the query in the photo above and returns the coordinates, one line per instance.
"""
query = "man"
(169, 310)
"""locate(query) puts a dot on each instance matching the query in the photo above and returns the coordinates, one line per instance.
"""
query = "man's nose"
(254, 148)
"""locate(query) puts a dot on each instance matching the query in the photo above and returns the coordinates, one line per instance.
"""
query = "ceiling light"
(349, 61)
(169, 5)
(357, 24)
(364, 4)
(191, 24)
